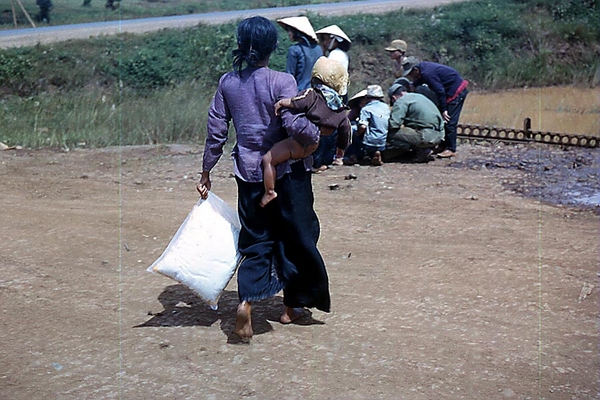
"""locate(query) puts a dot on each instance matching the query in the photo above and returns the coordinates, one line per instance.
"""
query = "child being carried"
(324, 107)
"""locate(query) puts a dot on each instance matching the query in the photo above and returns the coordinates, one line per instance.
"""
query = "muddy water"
(552, 174)
(556, 109)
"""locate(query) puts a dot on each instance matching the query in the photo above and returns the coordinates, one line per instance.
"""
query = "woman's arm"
(217, 128)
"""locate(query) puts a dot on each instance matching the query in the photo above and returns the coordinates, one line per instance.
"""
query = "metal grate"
(525, 135)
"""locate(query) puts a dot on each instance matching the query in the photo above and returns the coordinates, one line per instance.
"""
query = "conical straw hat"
(334, 30)
(360, 95)
(301, 24)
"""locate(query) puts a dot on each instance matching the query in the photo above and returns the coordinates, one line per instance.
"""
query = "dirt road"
(445, 285)
(44, 35)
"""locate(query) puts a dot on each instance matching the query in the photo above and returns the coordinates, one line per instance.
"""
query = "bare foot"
(319, 170)
(267, 197)
(291, 314)
(376, 160)
(243, 321)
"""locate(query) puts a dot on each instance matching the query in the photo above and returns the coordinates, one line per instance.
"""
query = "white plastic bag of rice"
(203, 253)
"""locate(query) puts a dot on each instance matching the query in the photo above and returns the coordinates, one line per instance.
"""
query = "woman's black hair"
(256, 39)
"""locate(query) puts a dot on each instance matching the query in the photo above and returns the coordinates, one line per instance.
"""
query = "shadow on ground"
(182, 307)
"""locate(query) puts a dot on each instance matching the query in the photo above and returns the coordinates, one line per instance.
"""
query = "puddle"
(551, 174)
(593, 200)
(562, 109)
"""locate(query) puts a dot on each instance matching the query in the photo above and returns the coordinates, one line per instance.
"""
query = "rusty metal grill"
(525, 135)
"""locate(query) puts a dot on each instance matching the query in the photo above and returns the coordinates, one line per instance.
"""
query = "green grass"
(98, 119)
(161, 83)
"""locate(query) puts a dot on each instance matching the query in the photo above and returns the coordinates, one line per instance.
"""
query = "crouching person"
(415, 126)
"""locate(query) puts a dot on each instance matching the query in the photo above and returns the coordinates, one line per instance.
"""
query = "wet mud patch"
(557, 175)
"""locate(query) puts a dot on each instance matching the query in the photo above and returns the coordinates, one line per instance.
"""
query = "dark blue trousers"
(454, 110)
(279, 243)
(326, 150)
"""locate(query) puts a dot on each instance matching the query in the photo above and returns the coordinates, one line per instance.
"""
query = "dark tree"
(87, 3)
(45, 6)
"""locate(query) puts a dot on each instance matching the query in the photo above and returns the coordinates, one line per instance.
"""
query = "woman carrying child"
(277, 243)
(324, 107)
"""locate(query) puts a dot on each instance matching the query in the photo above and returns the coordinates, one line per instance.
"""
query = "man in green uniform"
(415, 125)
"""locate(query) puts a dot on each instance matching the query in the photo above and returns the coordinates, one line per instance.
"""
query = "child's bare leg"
(269, 177)
(287, 149)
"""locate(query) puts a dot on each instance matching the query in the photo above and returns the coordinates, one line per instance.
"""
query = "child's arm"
(285, 103)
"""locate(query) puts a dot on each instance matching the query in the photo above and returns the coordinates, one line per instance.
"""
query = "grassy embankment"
(156, 88)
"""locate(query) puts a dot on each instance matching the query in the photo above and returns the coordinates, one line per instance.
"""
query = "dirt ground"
(446, 282)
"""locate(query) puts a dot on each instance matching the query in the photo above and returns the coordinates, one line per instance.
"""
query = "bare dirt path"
(44, 35)
(445, 285)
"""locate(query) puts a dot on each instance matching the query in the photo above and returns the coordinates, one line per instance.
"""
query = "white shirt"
(341, 57)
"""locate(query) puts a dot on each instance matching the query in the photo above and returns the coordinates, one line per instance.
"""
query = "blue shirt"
(441, 79)
(375, 116)
(301, 58)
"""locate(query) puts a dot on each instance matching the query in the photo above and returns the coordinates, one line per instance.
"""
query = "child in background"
(324, 107)
(372, 127)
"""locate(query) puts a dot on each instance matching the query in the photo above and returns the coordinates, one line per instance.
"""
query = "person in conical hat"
(301, 25)
(335, 43)
(372, 127)
(302, 55)
(337, 33)
(323, 106)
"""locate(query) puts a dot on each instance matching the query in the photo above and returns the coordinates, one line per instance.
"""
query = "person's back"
(301, 56)
(375, 115)
(417, 112)
(272, 259)
(373, 125)
(313, 103)
(441, 79)
(256, 127)
(300, 60)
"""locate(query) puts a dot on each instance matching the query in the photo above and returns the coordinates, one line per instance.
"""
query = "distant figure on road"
(301, 57)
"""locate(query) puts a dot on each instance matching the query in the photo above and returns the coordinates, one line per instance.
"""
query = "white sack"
(203, 253)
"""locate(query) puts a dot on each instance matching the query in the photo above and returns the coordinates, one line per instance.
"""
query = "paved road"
(44, 35)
